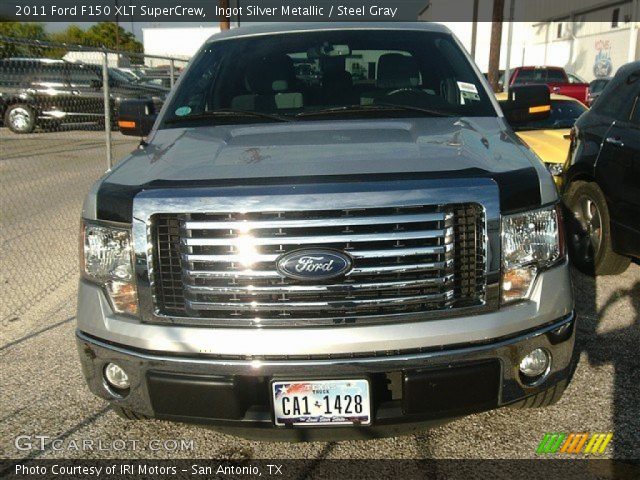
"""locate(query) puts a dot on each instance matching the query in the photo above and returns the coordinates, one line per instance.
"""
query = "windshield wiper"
(435, 113)
(371, 108)
(229, 113)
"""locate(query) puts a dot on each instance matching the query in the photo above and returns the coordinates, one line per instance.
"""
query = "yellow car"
(549, 138)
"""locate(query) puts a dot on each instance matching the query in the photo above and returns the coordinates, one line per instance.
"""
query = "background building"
(575, 40)
(176, 42)
(590, 38)
(96, 58)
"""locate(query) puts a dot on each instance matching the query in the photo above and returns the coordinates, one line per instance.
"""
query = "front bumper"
(409, 389)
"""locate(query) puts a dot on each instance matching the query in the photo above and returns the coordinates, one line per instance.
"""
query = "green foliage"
(73, 34)
(102, 34)
(29, 31)
(23, 30)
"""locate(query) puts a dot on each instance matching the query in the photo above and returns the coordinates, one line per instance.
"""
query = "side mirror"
(95, 84)
(526, 103)
(136, 117)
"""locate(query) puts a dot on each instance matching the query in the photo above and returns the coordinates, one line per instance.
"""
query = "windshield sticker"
(467, 87)
(182, 111)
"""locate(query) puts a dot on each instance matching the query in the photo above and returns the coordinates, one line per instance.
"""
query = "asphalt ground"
(44, 177)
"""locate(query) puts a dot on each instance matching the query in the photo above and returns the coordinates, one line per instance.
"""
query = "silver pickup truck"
(370, 248)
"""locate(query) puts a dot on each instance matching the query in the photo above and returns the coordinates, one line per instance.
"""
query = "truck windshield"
(540, 75)
(328, 74)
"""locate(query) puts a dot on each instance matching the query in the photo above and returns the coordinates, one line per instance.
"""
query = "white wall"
(577, 50)
(96, 58)
(179, 42)
(463, 30)
(581, 54)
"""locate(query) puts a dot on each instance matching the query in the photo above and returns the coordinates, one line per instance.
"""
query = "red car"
(554, 77)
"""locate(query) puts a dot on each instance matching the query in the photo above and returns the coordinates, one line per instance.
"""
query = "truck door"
(49, 88)
(86, 87)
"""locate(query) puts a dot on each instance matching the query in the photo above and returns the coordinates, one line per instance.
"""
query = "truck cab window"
(297, 74)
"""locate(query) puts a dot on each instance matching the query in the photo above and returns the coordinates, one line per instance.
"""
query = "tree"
(73, 35)
(101, 34)
(104, 33)
(28, 31)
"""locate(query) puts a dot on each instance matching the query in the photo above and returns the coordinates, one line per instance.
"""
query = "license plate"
(321, 402)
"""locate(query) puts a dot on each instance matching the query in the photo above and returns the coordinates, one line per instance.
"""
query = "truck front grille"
(406, 260)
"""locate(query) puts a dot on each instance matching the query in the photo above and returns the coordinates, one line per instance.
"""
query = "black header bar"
(246, 11)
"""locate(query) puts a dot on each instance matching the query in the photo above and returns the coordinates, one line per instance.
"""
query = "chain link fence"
(58, 134)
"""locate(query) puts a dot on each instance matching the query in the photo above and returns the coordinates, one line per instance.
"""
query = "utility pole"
(474, 28)
(633, 31)
(117, 36)
(507, 67)
(225, 22)
(496, 39)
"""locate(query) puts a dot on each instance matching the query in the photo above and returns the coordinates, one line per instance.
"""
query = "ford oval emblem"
(314, 264)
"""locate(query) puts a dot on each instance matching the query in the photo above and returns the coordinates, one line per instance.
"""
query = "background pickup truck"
(554, 77)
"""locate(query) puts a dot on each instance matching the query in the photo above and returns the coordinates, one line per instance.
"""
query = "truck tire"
(128, 414)
(589, 231)
(20, 118)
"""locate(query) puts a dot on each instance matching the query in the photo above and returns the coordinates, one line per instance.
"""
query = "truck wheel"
(128, 414)
(20, 118)
(589, 231)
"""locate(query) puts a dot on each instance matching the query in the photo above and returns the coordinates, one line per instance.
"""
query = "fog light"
(116, 376)
(535, 364)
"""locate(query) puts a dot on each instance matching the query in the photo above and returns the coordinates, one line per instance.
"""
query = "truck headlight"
(107, 259)
(531, 242)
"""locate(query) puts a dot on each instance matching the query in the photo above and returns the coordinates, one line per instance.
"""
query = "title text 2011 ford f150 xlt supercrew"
(371, 248)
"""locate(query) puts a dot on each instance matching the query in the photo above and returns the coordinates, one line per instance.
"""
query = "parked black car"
(595, 89)
(603, 178)
(45, 92)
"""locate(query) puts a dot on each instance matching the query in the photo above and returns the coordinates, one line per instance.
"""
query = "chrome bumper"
(556, 337)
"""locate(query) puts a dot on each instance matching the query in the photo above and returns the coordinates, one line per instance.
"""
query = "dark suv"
(603, 178)
(46, 92)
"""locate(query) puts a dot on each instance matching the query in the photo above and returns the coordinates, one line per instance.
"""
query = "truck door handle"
(615, 141)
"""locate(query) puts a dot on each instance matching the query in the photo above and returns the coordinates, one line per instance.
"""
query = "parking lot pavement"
(44, 178)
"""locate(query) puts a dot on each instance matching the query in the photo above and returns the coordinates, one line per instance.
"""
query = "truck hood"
(313, 151)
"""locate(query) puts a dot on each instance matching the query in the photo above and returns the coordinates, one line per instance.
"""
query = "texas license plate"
(321, 402)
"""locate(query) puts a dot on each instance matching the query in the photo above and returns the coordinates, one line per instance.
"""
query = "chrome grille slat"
(314, 289)
(315, 240)
(408, 262)
(396, 252)
(249, 274)
(350, 221)
(350, 305)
